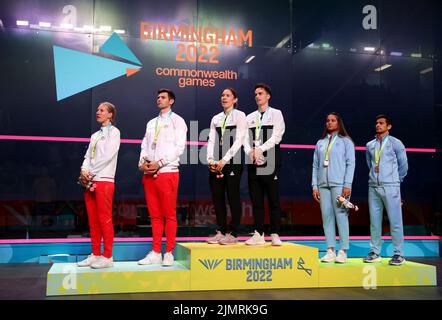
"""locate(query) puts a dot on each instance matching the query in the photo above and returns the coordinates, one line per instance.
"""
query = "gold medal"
(376, 169)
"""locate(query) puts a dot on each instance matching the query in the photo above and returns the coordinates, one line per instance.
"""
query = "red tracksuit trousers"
(99, 211)
(161, 196)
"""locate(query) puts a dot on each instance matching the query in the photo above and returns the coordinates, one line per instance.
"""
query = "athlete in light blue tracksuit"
(332, 176)
(387, 162)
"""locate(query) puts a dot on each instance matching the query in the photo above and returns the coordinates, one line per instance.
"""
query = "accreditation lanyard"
(329, 147)
(94, 143)
(378, 153)
(259, 124)
(159, 126)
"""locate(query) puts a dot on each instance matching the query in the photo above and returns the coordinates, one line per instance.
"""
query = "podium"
(124, 277)
(356, 273)
(201, 266)
(218, 267)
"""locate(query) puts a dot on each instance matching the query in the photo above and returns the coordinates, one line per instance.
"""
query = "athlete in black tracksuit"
(266, 129)
(227, 132)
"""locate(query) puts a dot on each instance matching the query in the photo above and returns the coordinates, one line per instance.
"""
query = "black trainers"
(397, 260)
(372, 257)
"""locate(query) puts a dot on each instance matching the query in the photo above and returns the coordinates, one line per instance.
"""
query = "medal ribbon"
(94, 143)
(258, 123)
(158, 127)
(329, 147)
(378, 153)
(224, 124)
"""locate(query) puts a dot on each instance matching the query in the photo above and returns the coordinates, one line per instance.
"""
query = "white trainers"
(275, 240)
(256, 239)
(342, 257)
(216, 238)
(168, 259)
(151, 258)
(103, 263)
(89, 260)
(228, 239)
(329, 257)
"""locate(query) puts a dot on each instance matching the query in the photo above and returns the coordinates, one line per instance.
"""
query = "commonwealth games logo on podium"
(210, 264)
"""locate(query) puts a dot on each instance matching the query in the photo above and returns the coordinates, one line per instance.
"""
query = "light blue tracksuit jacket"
(384, 190)
(329, 181)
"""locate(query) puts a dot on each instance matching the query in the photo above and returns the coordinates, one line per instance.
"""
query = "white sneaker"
(342, 257)
(103, 263)
(329, 257)
(275, 240)
(168, 259)
(89, 260)
(256, 239)
(216, 238)
(151, 258)
(228, 239)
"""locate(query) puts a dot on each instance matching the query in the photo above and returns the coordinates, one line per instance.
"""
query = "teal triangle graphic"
(77, 71)
(115, 46)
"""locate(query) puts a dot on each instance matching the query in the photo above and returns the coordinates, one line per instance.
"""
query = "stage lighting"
(66, 26)
(22, 23)
(426, 70)
(383, 67)
(44, 24)
(105, 28)
(249, 59)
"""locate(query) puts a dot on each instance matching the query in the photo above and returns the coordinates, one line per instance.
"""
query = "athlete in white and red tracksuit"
(162, 146)
(99, 165)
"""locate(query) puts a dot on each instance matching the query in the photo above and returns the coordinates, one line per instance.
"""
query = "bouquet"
(345, 203)
(145, 160)
(212, 168)
(87, 184)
